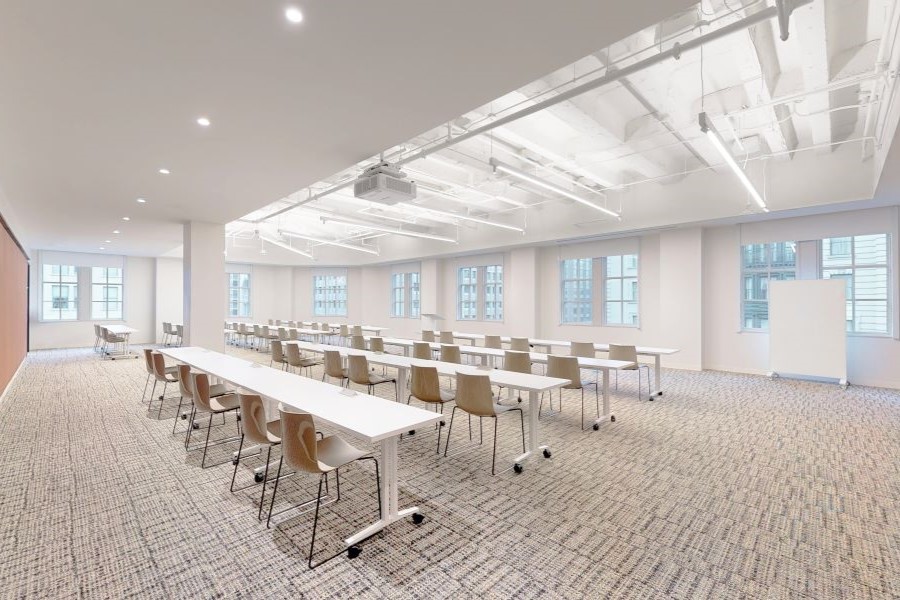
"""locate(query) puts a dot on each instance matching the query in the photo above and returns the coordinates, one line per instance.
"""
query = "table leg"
(607, 412)
(402, 375)
(656, 375)
(533, 444)
(389, 496)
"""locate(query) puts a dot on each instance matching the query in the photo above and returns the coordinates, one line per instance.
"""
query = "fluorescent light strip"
(464, 187)
(466, 218)
(505, 168)
(415, 234)
(328, 242)
(280, 244)
(719, 144)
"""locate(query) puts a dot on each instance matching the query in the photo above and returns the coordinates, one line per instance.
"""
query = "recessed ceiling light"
(141, 201)
(203, 122)
(102, 248)
(116, 231)
(126, 218)
(164, 171)
(108, 241)
(293, 14)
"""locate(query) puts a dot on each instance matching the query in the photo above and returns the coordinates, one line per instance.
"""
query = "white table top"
(520, 381)
(369, 417)
(120, 329)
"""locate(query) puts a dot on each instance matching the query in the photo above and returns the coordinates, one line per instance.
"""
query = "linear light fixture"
(715, 138)
(415, 234)
(467, 218)
(318, 240)
(551, 187)
(467, 188)
(281, 244)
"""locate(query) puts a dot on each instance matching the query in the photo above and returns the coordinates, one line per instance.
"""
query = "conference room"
(466, 300)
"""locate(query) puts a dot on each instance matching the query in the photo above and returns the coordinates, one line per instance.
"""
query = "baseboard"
(12, 379)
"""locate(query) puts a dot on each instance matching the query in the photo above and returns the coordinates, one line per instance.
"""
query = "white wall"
(169, 293)
(139, 309)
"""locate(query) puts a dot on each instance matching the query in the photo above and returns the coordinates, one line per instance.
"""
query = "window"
(59, 294)
(480, 293)
(330, 295)
(576, 290)
(405, 295)
(862, 261)
(238, 294)
(760, 264)
(106, 293)
(620, 290)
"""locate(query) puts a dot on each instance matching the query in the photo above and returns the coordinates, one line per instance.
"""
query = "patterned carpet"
(729, 486)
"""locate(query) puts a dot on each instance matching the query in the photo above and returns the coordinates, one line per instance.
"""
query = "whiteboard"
(808, 328)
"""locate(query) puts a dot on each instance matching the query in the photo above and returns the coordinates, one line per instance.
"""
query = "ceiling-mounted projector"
(385, 184)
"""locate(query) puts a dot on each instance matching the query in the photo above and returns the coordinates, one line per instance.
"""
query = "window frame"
(604, 300)
(333, 293)
(240, 288)
(598, 299)
(480, 292)
(852, 266)
(59, 282)
(106, 285)
(410, 295)
(768, 271)
(577, 302)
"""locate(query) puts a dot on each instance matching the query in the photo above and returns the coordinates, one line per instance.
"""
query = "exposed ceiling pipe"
(881, 59)
(611, 76)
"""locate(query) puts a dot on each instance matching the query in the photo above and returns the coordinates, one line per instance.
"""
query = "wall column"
(204, 285)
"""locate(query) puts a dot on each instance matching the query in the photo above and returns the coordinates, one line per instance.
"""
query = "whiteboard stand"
(808, 329)
(431, 321)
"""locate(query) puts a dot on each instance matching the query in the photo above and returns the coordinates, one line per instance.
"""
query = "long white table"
(369, 417)
(534, 385)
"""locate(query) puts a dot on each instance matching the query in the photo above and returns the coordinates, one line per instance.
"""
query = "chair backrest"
(282, 334)
(345, 331)
(422, 350)
(257, 331)
(324, 327)
(292, 353)
(425, 384)
(293, 335)
(376, 344)
(357, 342)
(167, 327)
(184, 381)
(618, 352)
(356, 330)
(200, 387)
(271, 321)
(450, 353)
(265, 330)
(278, 351)
(242, 328)
(159, 366)
(148, 360)
(473, 394)
(333, 365)
(519, 362)
(427, 335)
(565, 367)
(492, 341)
(447, 337)
(253, 419)
(179, 330)
(298, 442)
(96, 330)
(583, 349)
(104, 333)
(359, 368)
(519, 344)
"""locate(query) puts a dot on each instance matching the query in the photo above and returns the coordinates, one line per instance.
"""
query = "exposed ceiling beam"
(809, 29)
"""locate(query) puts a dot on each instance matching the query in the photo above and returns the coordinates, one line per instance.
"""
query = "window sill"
(614, 325)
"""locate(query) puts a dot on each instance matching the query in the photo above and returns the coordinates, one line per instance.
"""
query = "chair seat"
(311, 362)
(223, 403)
(447, 396)
(115, 339)
(217, 389)
(334, 452)
(273, 431)
(172, 369)
(502, 408)
(376, 379)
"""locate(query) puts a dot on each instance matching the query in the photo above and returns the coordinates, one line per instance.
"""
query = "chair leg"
(494, 454)
(262, 497)
(237, 461)
(274, 492)
(522, 419)
(162, 400)
(449, 430)
(206, 445)
(152, 392)
(177, 413)
(312, 543)
(146, 384)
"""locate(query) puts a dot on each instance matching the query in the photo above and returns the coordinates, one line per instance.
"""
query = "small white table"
(125, 331)
(371, 418)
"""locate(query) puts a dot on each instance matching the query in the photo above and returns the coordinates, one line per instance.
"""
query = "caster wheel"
(520, 400)
(183, 417)
(196, 425)
(411, 432)
(596, 426)
(418, 518)
(650, 398)
(258, 477)
(547, 453)
(518, 468)
(353, 551)
(239, 418)
(612, 418)
(234, 461)
(443, 423)
(160, 397)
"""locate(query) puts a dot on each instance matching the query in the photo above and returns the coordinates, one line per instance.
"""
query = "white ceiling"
(97, 96)
(807, 117)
